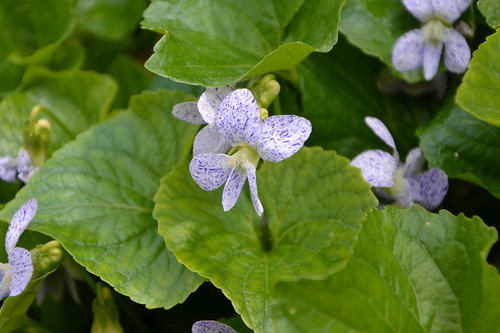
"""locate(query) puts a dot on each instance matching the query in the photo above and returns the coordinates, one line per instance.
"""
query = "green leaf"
(96, 196)
(464, 147)
(14, 111)
(491, 10)
(27, 25)
(374, 27)
(340, 89)
(478, 94)
(109, 19)
(213, 43)
(412, 271)
(314, 204)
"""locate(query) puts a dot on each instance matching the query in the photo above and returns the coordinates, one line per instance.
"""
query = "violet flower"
(22, 166)
(395, 180)
(272, 139)
(211, 326)
(423, 47)
(16, 274)
(208, 139)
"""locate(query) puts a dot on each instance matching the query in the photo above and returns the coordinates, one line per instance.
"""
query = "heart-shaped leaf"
(314, 204)
(215, 43)
(95, 195)
(412, 271)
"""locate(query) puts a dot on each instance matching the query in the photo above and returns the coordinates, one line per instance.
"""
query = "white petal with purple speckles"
(211, 326)
(380, 130)
(233, 187)
(238, 119)
(414, 162)
(19, 222)
(21, 268)
(209, 140)
(8, 169)
(432, 56)
(421, 9)
(407, 53)
(188, 111)
(282, 136)
(450, 10)
(429, 188)
(377, 167)
(209, 102)
(210, 171)
(456, 51)
(252, 182)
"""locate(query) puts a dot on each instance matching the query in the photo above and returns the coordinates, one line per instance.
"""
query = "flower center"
(434, 31)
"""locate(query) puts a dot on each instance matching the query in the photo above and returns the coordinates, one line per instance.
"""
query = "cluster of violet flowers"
(237, 123)
(423, 47)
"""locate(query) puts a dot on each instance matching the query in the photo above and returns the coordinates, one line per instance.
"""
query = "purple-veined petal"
(8, 169)
(210, 171)
(429, 188)
(282, 136)
(449, 10)
(19, 222)
(377, 167)
(414, 162)
(209, 102)
(408, 51)
(252, 182)
(432, 56)
(188, 111)
(209, 140)
(380, 130)
(211, 326)
(25, 167)
(233, 187)
(238, 119)
(5, 278)
(21, 268)
(421, 9)
(456, 51)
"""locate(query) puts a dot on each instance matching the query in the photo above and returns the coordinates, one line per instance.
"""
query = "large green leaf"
(340, 89)
(464, 147)
(215, 43)
(27, 26)
(491, 10)
(412, 271)
(374, 27)
(96, 196)
(112, 19)
(314, 204)
(478, 93)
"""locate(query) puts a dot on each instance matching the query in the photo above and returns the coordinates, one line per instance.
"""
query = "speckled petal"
(209, 140)
(432, 56)
(211, 326)
(408, 51)
(414, 162)
(429, 188)
(5, 278)
(456, 52)
(377, 167)
(8, 169)
(282, 136)
(233, 187)
(380, 130)
(19, 222)
(210, 171)
(238, 119)
(449, 10)
(25, 167)
(421, 9)
(209, 102)
(252, 182)
(21, 268)
(188, 111)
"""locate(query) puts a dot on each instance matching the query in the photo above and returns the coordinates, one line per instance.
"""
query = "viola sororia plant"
(250, 166)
